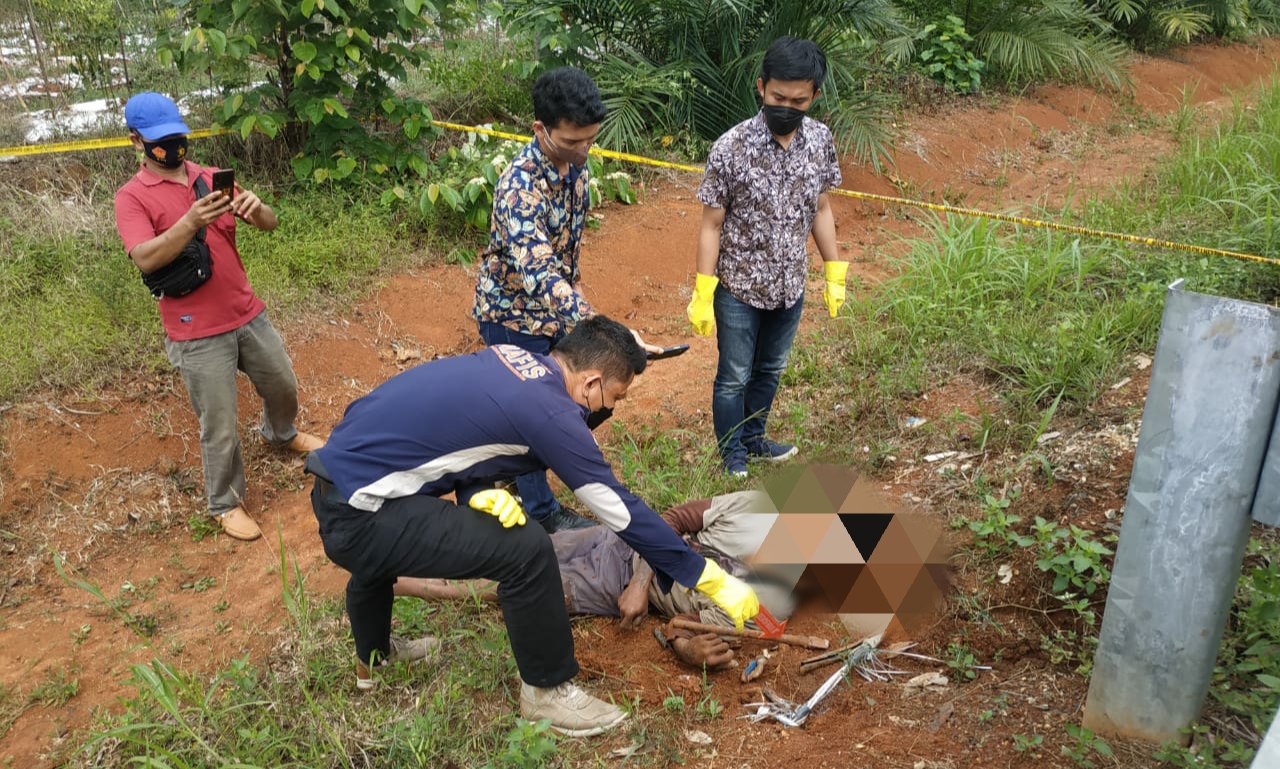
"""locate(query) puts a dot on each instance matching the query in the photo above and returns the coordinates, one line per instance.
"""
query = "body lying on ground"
(603, 576)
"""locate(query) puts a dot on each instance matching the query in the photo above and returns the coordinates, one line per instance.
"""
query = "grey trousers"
(209, 368)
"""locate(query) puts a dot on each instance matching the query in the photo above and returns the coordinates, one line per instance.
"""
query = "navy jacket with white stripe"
(461, 424)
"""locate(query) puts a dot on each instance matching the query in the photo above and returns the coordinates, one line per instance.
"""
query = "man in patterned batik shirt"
(763, 192)
(527, 293)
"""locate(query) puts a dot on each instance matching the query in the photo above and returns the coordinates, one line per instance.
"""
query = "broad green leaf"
(314, 72)
(246, 126)
(451, 197)
(412, 127)
(307, 7)
(239, 8)
(353, 52)
(267, 124)
(237, 102)
(1270, 681)
(302, 167)
(345, 167)
(320, 174)
(217, 42)
(389, 105)
(413, 6)
(433, 192)
(418, 165)
(304, 51)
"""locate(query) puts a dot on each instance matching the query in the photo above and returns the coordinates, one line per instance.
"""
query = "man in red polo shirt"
(222, 325)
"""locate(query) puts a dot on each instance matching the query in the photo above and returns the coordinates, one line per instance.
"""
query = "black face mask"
(598, 416)
(782, 120)
(167, 152)
(577, 158)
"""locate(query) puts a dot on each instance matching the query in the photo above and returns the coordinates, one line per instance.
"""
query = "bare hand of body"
(707, 649)
(633, 605)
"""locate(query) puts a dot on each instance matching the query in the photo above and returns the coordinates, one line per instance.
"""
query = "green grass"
(1046, 320)
(72, 306)
(1046, 317)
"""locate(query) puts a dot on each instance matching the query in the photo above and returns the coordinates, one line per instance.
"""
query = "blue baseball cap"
(154, 116)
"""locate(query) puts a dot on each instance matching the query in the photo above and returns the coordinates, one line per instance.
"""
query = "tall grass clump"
(1052, 317)
(72, 305)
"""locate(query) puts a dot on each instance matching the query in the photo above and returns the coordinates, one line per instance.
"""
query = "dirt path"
(104, 483)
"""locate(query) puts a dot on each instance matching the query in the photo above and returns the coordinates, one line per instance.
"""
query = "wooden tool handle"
(807, 641)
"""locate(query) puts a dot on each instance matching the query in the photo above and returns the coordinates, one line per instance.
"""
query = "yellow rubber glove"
(731, 594)
(500, 504)
(833, 289)
(702, 311)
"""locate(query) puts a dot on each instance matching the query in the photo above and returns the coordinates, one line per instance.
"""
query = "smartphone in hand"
(224, 181)
(668, 352)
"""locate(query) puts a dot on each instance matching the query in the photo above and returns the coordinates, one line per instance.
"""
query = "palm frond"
(1182, 23)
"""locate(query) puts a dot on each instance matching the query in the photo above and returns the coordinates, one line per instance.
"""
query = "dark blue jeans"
(753, 345)
(535, 493)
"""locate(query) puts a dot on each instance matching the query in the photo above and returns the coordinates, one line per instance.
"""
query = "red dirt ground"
(101, 483)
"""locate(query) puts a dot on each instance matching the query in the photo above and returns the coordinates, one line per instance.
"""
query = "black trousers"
(421, 536)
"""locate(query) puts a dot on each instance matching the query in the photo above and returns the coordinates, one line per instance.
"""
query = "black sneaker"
(563, 519)
(765, 450)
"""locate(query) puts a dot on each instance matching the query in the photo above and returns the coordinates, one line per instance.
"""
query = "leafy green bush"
(947, 58)
(528, 746)
(318, 74)
(1071, 555)
(994, 531)
(1025, 40)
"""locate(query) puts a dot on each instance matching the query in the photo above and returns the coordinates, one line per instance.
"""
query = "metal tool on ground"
(835, 655)
(788, 713)
(807, 641)
(873, 667)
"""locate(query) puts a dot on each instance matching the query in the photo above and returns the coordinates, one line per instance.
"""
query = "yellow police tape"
(90, 144)
(97, 144)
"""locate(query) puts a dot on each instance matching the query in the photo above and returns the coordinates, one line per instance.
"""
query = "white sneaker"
(402, 650)
(572, 712)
